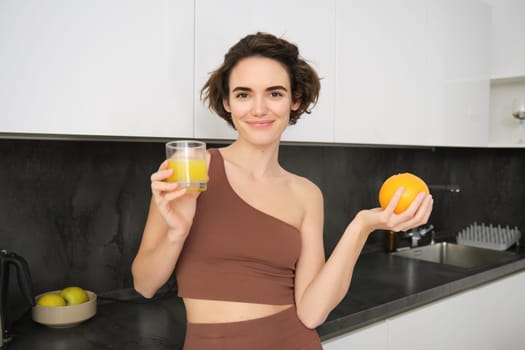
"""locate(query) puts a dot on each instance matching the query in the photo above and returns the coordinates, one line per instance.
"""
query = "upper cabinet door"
(307, 23)
(458, 60)
(116, 67)
(380, 82)
(412, 72)
(507, 38)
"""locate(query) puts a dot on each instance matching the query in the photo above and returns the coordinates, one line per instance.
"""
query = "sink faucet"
(417, 233)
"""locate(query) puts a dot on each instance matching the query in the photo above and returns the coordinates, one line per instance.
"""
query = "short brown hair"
(304, 81)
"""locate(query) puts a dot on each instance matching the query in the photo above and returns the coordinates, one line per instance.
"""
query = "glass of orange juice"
(187, 159)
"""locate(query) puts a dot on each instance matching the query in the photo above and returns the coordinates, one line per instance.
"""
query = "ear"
(295, 106)
(226, 105)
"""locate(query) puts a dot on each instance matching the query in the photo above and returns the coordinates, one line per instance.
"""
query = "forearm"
(152, 267)
(332, 282)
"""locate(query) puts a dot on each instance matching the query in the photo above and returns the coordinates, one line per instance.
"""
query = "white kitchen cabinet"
(373, 337)
(485, 318)
(504, 130)
(452, 323)
(308, 23)
(502, 315)
(458, 70)
(507, 38)
(114, 68)
(412, 72)
(507, 70)
(402, 72)
(380, 64)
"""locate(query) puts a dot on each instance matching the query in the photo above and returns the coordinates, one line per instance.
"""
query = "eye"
(276, 94)
(241, 95)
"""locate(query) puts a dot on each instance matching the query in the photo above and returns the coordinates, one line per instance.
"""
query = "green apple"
(74, 295)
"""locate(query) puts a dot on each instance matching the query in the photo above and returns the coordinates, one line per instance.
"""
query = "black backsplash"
(76, 209)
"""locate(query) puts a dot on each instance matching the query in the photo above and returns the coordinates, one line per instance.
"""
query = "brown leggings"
(281, 331)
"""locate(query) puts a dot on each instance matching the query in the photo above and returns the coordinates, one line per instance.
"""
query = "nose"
(259, 106)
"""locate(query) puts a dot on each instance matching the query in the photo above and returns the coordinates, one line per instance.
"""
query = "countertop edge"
(360, 319)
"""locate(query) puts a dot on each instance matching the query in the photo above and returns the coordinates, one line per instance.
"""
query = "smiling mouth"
(261, 124)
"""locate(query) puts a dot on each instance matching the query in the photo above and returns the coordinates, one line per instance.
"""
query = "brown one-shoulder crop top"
(235, 252)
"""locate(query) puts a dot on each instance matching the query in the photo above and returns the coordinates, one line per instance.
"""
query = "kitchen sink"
(457, 255)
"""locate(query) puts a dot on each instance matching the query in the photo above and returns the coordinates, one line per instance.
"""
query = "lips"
(260, 123)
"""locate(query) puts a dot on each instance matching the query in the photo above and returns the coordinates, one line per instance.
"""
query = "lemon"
(51, 299)
(74, 295)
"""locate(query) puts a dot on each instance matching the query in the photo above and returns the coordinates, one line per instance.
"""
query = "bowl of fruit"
(64, 308)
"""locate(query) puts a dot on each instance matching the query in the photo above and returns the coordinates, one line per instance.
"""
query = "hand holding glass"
(187, 159)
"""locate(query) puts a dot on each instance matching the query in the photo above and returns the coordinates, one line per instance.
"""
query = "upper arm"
(311, 258)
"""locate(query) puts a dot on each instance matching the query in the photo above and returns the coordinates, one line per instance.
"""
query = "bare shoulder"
(305, 189)
(309, 198)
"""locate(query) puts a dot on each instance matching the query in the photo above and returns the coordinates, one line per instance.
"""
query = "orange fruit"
(413, 186)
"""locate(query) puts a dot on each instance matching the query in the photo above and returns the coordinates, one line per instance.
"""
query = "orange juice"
(190, 173)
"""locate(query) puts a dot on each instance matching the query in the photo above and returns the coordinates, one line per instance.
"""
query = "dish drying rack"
(489, 236)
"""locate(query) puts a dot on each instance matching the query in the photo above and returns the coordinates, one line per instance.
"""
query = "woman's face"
(260, 99)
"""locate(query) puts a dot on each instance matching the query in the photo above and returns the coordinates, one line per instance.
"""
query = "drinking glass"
(187, 159)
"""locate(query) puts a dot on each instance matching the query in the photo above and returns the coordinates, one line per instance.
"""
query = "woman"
(248, 253)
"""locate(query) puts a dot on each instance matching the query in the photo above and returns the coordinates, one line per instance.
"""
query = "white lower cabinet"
(502, 314)
(489, 317)
(452, 323)
(373, 337)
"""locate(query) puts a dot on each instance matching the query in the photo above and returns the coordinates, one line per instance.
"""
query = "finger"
(388, 216)
(424, 210)
(163, 165)
(161, 175)
(414, 206)
(161, 186)
(171, 196)
(420, 217)
(164, 201)
(428, 205)
(394, 200)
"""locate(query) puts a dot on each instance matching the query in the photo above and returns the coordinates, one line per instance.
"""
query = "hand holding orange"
(412, 184)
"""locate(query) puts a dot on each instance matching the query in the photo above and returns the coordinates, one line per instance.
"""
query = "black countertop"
(383, 285)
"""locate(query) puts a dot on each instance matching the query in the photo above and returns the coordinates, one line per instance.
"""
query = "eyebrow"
(270, 88)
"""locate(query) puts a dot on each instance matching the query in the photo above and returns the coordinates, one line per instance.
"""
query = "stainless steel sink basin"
(457, 255)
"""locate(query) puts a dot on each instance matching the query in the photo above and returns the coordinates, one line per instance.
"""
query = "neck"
(258, 160)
